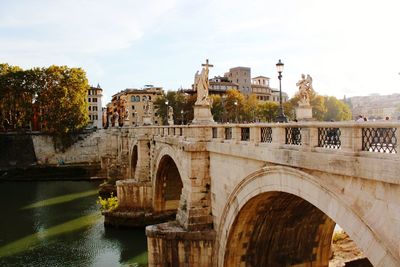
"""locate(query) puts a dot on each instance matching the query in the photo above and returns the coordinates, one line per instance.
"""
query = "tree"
(179, 102)
(16, 96)
(217, 108)
(250, 108)
(233, 110)
(269, 111)
(336, 110)
(326, 108)
(62, 98)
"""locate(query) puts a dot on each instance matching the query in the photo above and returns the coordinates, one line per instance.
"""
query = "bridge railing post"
(255, 134)
(236, 133)
(278, 135)
(351, 139)
(309, 137)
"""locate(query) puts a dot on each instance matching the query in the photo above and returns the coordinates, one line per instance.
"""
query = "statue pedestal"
(170, 122)
(147, 120)
(202, 115)
(304, 113)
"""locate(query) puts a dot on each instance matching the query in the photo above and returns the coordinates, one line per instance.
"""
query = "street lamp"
(181, 116)
(281, 117)
(236, 110)
(166, 113)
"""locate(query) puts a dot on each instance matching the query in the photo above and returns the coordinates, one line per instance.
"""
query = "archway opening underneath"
(279, 229)
(168, 185)
(134, 160)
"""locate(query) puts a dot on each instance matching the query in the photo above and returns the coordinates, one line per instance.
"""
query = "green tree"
(233, 103)
(16, 96)
(269, 111)
(62, 99)
(336, 110)
(217, 109)
(182, 106)
(250, 108)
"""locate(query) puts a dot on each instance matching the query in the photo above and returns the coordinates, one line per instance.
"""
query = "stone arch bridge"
(260, 194)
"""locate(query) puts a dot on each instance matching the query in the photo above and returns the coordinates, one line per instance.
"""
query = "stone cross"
(207, 65)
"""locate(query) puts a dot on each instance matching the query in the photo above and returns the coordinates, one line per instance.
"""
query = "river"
(59, 224)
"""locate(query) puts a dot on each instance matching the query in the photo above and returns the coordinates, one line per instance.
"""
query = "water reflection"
(62, 227)
(60, 199)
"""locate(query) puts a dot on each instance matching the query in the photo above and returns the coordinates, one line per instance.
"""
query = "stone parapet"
(171, 245)
(134, 195)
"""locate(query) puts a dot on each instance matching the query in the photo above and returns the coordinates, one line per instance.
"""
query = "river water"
(59, 224)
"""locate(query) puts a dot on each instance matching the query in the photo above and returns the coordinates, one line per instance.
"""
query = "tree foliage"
(62, 99)
(325, 108)
(57, 94)
(181, 103)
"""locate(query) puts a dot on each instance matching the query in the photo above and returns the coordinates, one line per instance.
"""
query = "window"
(133, 107)
(90, 108)
(94, 99)
(135, 98)
(89, 99)
(90, 117)
(95, 108)
(149, 97)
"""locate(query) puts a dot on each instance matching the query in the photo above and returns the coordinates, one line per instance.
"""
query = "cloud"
(348, 47)
(77, 26)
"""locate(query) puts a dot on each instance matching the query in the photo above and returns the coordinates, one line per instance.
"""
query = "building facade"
(242, 77)
(219, 85)
(260, 88)
(130, 105)
(95, 107)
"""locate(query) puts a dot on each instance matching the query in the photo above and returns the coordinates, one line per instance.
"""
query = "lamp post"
(181, 116)
(236, 110)
(166, 113)
(281, 117)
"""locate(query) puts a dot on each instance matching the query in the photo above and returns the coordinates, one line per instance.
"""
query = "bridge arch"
(167, 182)
(281, 208)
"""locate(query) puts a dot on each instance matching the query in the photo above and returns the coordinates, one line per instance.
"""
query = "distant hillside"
(376, 106)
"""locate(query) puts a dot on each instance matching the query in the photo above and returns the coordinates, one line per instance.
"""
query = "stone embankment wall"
(85, 151)
(16, 150)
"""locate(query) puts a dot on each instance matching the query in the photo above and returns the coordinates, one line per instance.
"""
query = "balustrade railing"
(266, 135)
(245, 134)
(329, 137)
(214, 132)
(228, 133)
(379, 140)
(347, 136)
(293, 136)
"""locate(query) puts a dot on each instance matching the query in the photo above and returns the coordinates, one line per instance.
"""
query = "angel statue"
(305, 89)
(201, 85)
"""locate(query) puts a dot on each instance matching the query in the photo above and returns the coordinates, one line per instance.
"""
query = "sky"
(349, 47)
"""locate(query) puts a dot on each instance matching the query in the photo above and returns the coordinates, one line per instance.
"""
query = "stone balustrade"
(349, 137)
